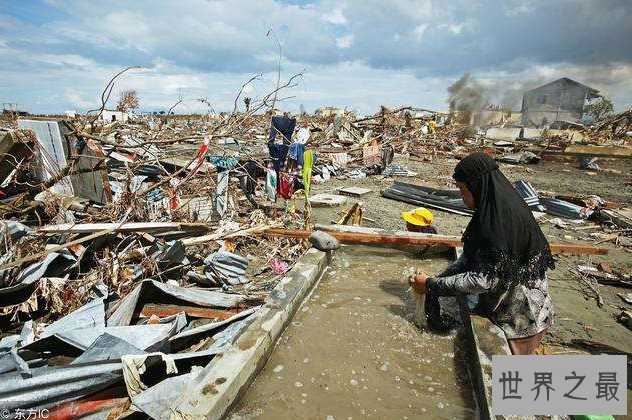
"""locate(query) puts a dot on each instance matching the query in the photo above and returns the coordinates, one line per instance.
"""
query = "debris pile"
(133, 248)
(132, 255)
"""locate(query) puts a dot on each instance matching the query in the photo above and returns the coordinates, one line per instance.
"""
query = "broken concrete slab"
(327, 200)
(354, 191)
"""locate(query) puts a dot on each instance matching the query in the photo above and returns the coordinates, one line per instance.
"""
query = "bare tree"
(128, 101)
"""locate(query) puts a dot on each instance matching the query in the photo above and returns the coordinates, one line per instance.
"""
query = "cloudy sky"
(57, 55)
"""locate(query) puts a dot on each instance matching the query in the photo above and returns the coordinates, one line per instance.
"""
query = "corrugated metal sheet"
(527, 192)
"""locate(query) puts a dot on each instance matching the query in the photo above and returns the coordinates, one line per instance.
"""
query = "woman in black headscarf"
(505, 257)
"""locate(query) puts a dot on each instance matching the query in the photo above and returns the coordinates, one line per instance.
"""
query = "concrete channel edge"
(211, 394)
(485, 339)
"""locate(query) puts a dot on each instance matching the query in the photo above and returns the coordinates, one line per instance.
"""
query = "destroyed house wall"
(561, 100)
(54, 147)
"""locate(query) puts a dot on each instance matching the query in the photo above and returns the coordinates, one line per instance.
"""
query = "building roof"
(592, 93)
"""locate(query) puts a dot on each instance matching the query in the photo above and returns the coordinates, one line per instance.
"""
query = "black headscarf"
(503, 238)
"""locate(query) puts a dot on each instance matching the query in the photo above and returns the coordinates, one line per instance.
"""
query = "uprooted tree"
(600, 109)
(128, 101)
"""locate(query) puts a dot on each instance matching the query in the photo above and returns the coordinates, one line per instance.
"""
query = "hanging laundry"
(253, 172)
(200, 156)
(286, 185)
(308, 163)
(224, 162)
(278, 154)
(271, 182)
(282, 125)
(296, 152)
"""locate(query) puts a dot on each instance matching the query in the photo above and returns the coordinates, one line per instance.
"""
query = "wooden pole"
(379, 237)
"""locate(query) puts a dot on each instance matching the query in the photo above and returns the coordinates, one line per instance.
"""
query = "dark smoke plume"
(467, 98)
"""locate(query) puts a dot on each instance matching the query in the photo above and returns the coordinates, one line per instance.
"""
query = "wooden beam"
(579, 154)
(164, 310)
(124, 227)
(55, 248)
(379, 237)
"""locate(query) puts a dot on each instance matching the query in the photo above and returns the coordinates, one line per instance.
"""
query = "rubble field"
(134, 253)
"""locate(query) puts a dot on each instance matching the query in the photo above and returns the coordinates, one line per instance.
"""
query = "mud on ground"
(578, 317)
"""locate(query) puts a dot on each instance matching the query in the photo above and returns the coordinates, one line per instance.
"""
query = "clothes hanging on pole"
(271, 183)
(253, 172)
(278, 154)
(308, 160)
(286, 185)
(282, 125)
(296, 152)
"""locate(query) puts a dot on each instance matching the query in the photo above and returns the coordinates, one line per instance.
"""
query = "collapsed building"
(561, 100)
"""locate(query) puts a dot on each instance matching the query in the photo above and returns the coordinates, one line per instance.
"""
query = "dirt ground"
(577, 314)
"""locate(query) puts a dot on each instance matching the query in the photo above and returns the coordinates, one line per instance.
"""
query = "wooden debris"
(355, 235)
(164, 310)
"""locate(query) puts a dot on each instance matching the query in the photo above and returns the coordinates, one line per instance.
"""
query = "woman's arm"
(462, 283)
(456, 267)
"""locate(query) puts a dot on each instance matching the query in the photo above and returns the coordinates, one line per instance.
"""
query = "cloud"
(74, 98)
(345, 41)
(55, 54)
(419, 30)
(335, 17)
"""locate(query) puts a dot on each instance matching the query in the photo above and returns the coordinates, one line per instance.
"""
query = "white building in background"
(109, 116)
(328, 111)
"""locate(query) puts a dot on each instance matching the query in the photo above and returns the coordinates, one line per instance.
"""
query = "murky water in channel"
(352, 352)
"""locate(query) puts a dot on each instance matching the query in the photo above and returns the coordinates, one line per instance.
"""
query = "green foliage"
(600, 109)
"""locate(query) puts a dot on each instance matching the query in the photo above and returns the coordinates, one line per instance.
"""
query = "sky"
(58, 55)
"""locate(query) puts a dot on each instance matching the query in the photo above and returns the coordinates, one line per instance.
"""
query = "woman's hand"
(418, 282)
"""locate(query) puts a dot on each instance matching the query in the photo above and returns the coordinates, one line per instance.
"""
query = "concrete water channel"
(351, 351)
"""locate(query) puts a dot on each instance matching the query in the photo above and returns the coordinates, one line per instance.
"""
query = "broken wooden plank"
(581, 202)
(40, 255)
(124, 227)
(164, 310)
(580, 154)
(376, 237)
(357, 207)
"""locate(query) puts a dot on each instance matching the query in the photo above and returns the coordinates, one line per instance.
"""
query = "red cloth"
(286, 185)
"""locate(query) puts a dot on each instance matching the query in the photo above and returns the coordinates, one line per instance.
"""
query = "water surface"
(352, 351)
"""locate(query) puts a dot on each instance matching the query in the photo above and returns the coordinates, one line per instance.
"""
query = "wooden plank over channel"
(378, 237)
